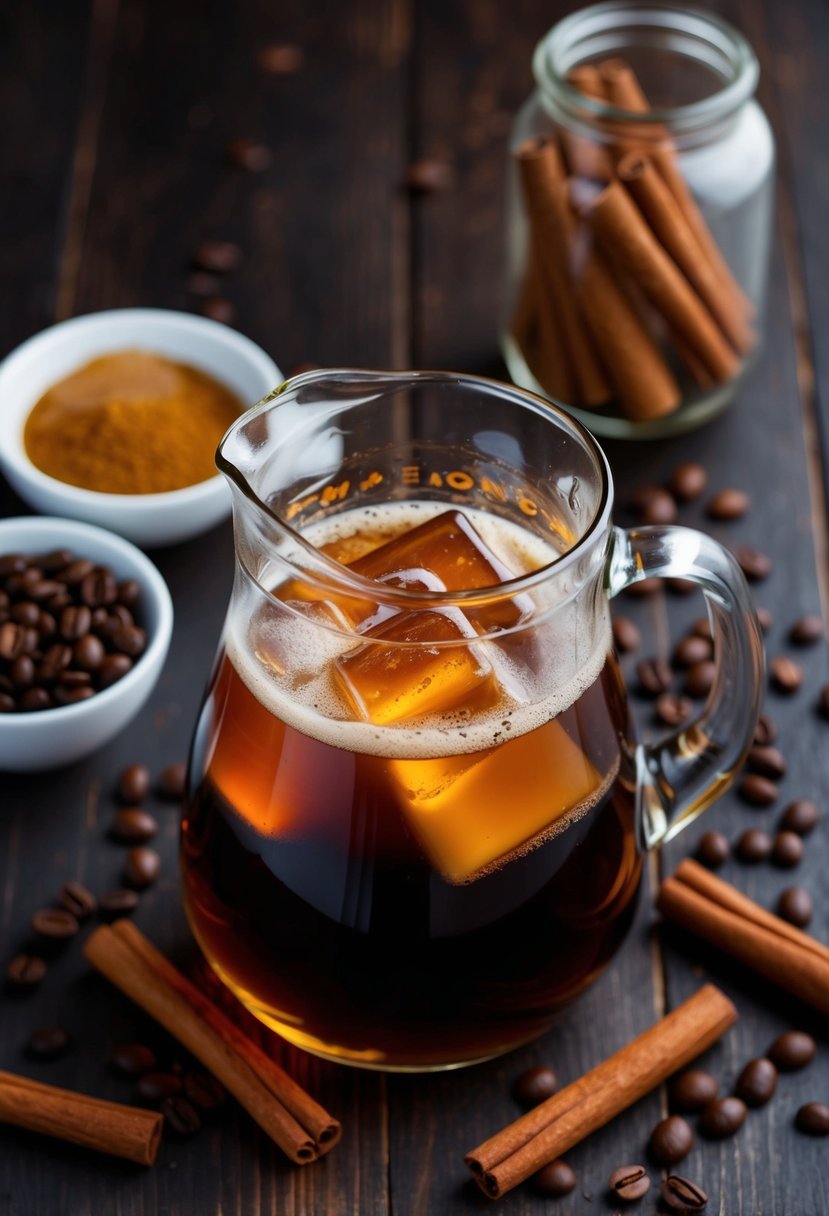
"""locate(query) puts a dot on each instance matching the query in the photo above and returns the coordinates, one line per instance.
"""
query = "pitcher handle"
(682, 774)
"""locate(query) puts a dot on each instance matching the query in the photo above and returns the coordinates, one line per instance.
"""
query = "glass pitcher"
(417, 811)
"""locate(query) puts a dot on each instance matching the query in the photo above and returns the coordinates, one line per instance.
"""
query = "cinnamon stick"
(717, 912)
(566, 1118)
(298, 1124)
(107, 1127)
(585, 155)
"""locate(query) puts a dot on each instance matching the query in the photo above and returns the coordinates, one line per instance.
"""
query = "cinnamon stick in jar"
(586, 156)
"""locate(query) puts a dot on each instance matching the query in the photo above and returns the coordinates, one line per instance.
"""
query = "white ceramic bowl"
(49, 738)
(26, 374)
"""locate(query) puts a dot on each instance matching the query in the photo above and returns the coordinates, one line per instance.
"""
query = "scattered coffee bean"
(757, 790)
(280, 59)
(722, 1117)
(535, 1085)
(787, 851)
(249, 155)
(217, 257)
(691, 650)
(202, 283)
(180, 1116)
(800, 816)
(757, 1082)
(765, 732)
(754, 564)
(679, 1194)
(792, 1050)
(806, 631)
(644, 586)
(219, 308)
(823, 702)
(625, 635)
(694, 1089)
(701, 628)
(671, 1140)
(699, 679)
(203, 1090)
(134, 784)
(629, 1183)
(114, 904)
(133, 1059)
(25, 971)
(795, 906)
(555, 1179)
(728, 504)
(673, 709)
(754, 845)
(173, 781)
(765, 619)
(47, 1043)
(75, 898)
(813, 1119)
(155, 1086)
(653, 505)
(655, 676)
(55, 924)
(688, 481)
(786, 675)
(141, 868)
(713, 850)
(767, 761)
(428, 176)
(133, 825)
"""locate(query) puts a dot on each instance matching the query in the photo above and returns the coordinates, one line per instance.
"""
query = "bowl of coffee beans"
(85, 625)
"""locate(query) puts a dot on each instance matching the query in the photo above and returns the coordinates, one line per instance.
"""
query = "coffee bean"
(555, 1179)
(12, 563)
(249, 155)
(172, 781)
(694, 1089)
(14, 640)
(219, 257)
(69, 678)
(671, 1140)
(806, 631)
(629, 1183)
(45, 589)
(141, 868)
(58, 559)
(754, 564)
(699, 679)
(46, 627)
(75, 898)
(134, 783)
(679, 1194)
(792, 1050)
(800, 816)
(129, 592)
(55, 924)
(70, 695)
(625, 635)
(25, 971)
(765, 732)
(701, 628)
(713, 850)
(754, 845)
(204, 1091)
(114, 904)
(219, 308)
(22, 671)
(757, 790)
(722, 1117)
(55, 659)
(767, 761)
(823, 702)
(644, 586)
(155, 1086)
(113, 668)
(795, 906)
(130, 640)
(98, 588)
(673, 709)
(133, 1059)
(429, 175)
(180, 1116)
(786, 675)
(688, 481)
(653, 505)
(7, 703)
(25, 613)
(757, 1082)
(280, 59)
(33, 700)
(535, 1085)
(77, 570)
(813, 1119)
(655, 676)
(691, 650)
(47, 1043)
(787, 850)
(133, 825)
(89, 653)
(728, 505)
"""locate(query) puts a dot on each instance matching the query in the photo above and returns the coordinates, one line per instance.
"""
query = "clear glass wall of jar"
(640, 213)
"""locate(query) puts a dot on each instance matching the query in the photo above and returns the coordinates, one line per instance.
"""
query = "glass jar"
(639, 219)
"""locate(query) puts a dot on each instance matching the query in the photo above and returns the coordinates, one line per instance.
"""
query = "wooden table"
(116, 117)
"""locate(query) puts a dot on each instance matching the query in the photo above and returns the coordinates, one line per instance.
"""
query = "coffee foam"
(285, 660)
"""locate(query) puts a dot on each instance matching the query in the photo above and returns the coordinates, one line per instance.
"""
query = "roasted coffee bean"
(713, 849)
(728, 504)
(203, 1090)
(806, 631)
(25, 971)
(114, 904)
(765, 732)
(22, 671)
(688, 481)
(280, 59)
(800, 816)
(679, 1194)
(722, 1117)
(629, 1183)
(692, 650)
(795, 905)
(249, 155)
(219, 308)
(45, 589)
(694, 1089)
(33, 700)
(55, 924)
(786, 675)
(699, 679)
(7, 703)
(757, 1082)
(673, 709)
(77, 570)
(792, 1050)
(655, 676)
(757, 790)
(69, 678)
(71, 694)
(129, 592)
(643, 586)
(813, 1119)
(99, 588)
(155, 1086)
(134, 784)
(133, 1059)
(113, 667)
(626, 635)
(129, 639)
(19, 584)
(46, 627)
(535, 1085)
(653, 505)
(219, 257)
(767, 761)
(180, 1116)
(12, 563)
(25, 613)
(429, 176)
(764, 619)
(172, 781)
(787, 850)
(823, 702)
(141, 868)
(89, 653)
(15, 639)
(75, 898)
(555, 1179)
(53, 662)
(754, 845)
(55, 561)
(701, 628)
(47, 1043)
(75, 622)
(133, 825)
(671, 1140)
